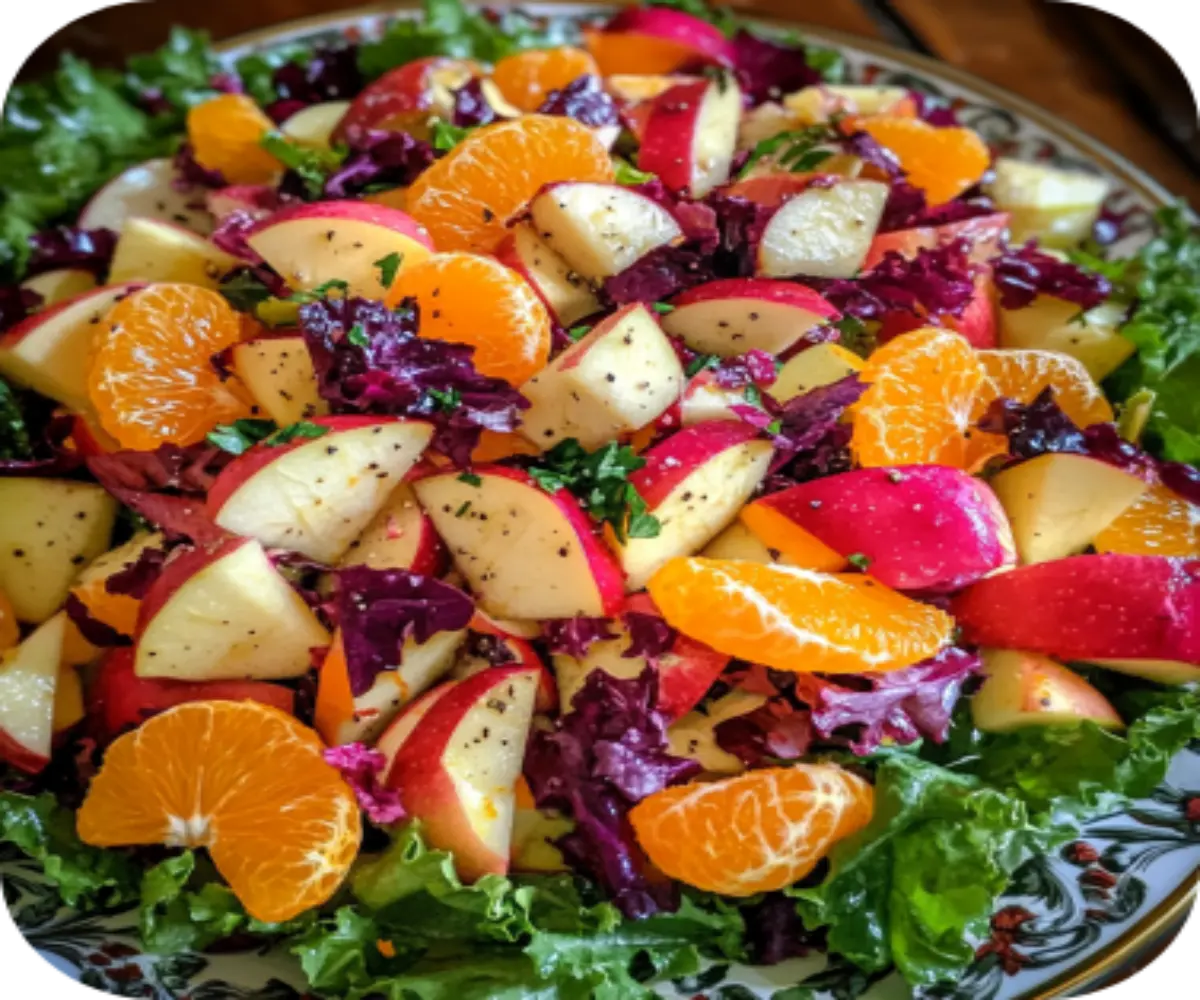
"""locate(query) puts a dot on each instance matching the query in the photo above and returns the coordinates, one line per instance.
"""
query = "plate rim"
(1176, 906)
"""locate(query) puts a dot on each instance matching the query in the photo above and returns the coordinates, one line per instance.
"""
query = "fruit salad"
(527, 506)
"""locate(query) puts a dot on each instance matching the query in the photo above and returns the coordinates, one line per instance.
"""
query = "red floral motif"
(1080, 853)
(1006, 928)
(1191, 809)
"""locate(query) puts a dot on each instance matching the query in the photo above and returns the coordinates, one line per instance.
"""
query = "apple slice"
(1160, 671)
(69, 710)
(1049, 324)
(1056, 207)
(1106, 607)
(491, 644)
(1059, 503)
(147, 191)
(706, 399)
(735, 315)
(400, 536)
(1028, 689)
(405, 99)
(601, 229)
(311, 244)
(457, 770)
(314, 126)
(821, 364)
(637, 87)
(691, 134)
(694, 483)
(49, 530)
(316, 495)
(224, 613)
(667, 38)
(823, 232)
(526, 553)
(278, 372)
(685, 672)
(59, 285)
(50, 351)
(566, 294)
(694, 736)
(152, 250)
(342, 717)
(739, 542)
(916, 527)
(818, 104)
(621, 377)
(535, 832)
(119, 699)
(117, 611)
(985, 233)
(402, 727)
(28, 677)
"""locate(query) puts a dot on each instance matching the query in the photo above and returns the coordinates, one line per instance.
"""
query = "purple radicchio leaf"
(231, 232)
(362, 769)
(774, 932)
(330, 74)
(767, 70)
(574, 636)
(136, 578)
(585, 100)
(92, 629)
(649, 635)
(755, 367)
(378, 160)
(16, 303)
(808, 421)
(378, 609)
(937, 111)
(471, 106)
(776, 731)
(51, 454)
(597, 763)
(71, 247)
(190, 174)
(1024, 273)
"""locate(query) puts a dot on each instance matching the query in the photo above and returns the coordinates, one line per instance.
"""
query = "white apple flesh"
(1048, 324)
(567, 295)
(28, 678)
(1027, 689)
(400, 536)
(1055, 207)
(314, 126)
(147, 191)
(706, 399)
(691, 134)
(821, 364)
(695, 737)
(822, 232)
(278, 372)
(152, 250)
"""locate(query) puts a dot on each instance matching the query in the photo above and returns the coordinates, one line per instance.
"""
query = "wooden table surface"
(1090, 69)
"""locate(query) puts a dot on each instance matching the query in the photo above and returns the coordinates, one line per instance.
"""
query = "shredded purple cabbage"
(136, 579)
(807, 422)
(649, 635)
(92, 629)
(937, 281)
(16, 303)
(378, 160)
(574, 636)
(768, 70)
(71, 247)
(755, 367)
(774, 932)
(599, 761)
(331, 74)
(585, 100)
(937, 111)
(231, 232)
(1024, 273)
(362, 769)
(51, 454)
(190, 174)
(471, 106)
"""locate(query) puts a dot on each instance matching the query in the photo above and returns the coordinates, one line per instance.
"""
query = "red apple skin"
(767, 289)
(669, 133)
(1089, 607)
(86, 441)
(352, 211)
(427, 789)
(983, 233)
(507, 254)
(399, 92)
(177, 571)
(668, 464)
(686, 672)
(121, 700)
(261, 455)
(21, 757)
(675, 26)
(977, 325)
(922, 527)
(523, 655)
(259, 200)
(31, 323)
(606, 571)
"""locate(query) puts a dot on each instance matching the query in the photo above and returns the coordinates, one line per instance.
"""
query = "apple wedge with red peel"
(823, 232)
(1027, 689)
(316, 495)
(706, 399)
(535, 833)
(147, 191)
(691, 134)
(526, 553)
(821, 364)
(601, 229)
(915, 527)
(278, 372)
(566, 293)
(403, 726)
(314, 126)
(694, 483)
(735, 315)
(256, 200)
(482, 649)
(457, 770)
(634, 88)
(311, 244)
(406, 98)
(50, 351)
(28, 677)
(984, 233)
(59, 285)
(152, 250)
(619, 378)
(1059, 503)
(224, 613)
(1106, 607)
(400, 536)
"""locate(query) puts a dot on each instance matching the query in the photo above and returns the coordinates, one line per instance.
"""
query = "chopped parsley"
(242, 435)
(858, 560)
(389, 267)
(629, 175)
(449, 401)
(321, 291)
(447, 136)
(577, 333)
(357, 335)
(300, 429)
(312, 166)
(245, 291)
(14, 435)
(798, 151)
(466, 506)
(470, 479)
(752, 395)
(663, 308)
(702, 362)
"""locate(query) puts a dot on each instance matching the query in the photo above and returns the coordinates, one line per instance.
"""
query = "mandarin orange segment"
(797, 619)
(226, 134)
(621, 52)
(1160, 523)
(152, 379)
(527, 78)
(495, 445)
(783, 535)
(10, 631)
(943, 162)
(922, 400)
(1022, 374)
(757, 832)
(474, 300)
(245, 781)
(466, 198)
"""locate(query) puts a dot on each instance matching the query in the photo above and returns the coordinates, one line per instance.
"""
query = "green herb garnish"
(245, 291)
(701, 362)
(447, 136)
(859, 561)
(449, 401)
(300, 429)
(389, 267)
(470, 479)
(798, 151)
(357, 335)
(577, 333)
(14, 435)
(242, 435)
(312, 166)
(629, 175)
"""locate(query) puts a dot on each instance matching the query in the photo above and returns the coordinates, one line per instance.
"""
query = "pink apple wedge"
(28, 677)
(706, 399)
(400, 536)
(735, 315)
(690, 135)
(566, 294)
(316, 495)
(526, 553)
(984, 234)
(457, 769)
(339, 241)
(482, 648)
(915, 527)
(403, 99)
(59, 285)
(1091, 607)
(147, 190)
(694, 483)
(823, 232)
(1027, 689)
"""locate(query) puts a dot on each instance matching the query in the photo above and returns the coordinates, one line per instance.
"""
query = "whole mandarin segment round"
(226, 134)
(1021, 375)
(467, 197)
(151, 379)
(244, 781)
(942, 162)
(797, 619)
(468, 299)
(526, 79)
(758, 832)
(1159, 523)
(922, 401)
